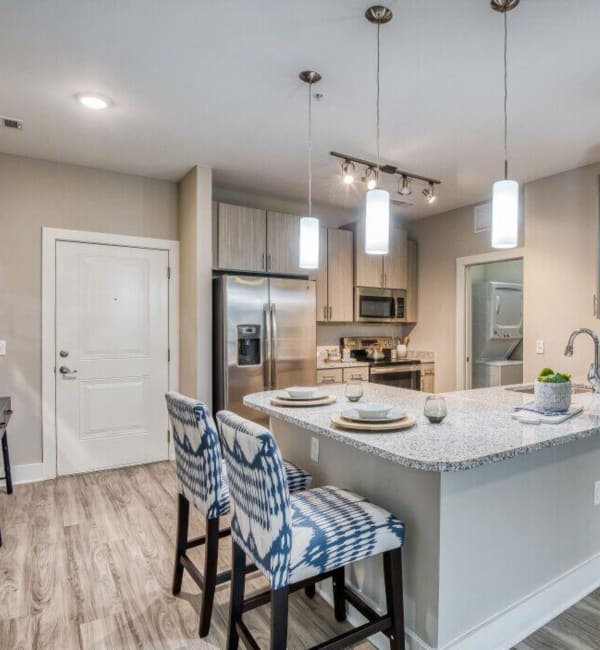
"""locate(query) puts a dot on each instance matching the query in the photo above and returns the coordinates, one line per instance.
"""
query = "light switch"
(314, 449)
(2, 348)
(597, 493)
(539, 347)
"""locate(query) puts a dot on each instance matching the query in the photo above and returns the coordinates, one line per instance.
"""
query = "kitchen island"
(502, 530)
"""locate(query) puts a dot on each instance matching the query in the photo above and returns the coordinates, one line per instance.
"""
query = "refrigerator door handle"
(268, 348)
(274, 345)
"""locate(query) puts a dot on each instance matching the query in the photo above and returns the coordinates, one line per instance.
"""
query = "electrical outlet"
(314, 449)
(539, 347)
(2, 348)
(597, 493)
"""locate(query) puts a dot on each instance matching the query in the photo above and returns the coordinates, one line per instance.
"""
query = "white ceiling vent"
(11, 122)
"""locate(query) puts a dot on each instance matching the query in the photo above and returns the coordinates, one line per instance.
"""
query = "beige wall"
(560, 238)
(195, 323)
(34, 194)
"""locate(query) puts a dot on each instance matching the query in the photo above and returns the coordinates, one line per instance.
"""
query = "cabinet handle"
(356, 376)
(269, 262)
(325, 313)
(328, 380)
(262, 261)
(330, 311)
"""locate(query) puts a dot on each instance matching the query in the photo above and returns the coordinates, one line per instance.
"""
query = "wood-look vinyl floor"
(87, 564)
(87, 561)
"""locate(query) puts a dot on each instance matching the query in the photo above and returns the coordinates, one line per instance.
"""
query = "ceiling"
(215, 84)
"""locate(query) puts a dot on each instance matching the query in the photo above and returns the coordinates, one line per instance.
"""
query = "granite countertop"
(479, 428)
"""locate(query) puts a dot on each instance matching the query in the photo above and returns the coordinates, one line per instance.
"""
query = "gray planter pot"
(553, 397)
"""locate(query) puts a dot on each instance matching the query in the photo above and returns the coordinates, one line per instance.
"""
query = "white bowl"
(300, 392)
(372, 410)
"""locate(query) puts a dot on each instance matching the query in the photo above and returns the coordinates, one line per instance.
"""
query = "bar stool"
(300, 539)
(202, 482)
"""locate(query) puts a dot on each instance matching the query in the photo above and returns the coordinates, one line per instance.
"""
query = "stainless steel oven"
(403, 375)
(379, 305)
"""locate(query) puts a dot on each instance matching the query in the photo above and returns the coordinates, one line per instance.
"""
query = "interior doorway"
(490, 320)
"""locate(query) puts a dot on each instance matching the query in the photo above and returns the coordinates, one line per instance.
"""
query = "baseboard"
(30, 473)
(531, 613)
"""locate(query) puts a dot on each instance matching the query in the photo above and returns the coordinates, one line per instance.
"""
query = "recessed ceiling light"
(94, 101)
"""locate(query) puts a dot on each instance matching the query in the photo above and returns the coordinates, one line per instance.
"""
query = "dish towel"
(547, 417)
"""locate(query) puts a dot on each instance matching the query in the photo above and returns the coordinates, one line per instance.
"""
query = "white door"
(112, 330)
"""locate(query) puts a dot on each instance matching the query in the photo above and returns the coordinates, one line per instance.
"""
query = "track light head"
(429, 193)
(404, 187)
(371, 177)
(348, 172)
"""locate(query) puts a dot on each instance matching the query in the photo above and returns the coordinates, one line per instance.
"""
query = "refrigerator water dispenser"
(248, 347)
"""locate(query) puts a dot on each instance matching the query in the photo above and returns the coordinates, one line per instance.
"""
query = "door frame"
(463, 295)
(50, 237)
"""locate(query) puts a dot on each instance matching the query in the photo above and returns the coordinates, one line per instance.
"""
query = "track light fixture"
(429, 193)
(348, 172)
(404, 186)
(371, 178)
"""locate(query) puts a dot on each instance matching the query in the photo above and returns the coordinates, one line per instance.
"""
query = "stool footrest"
(198, 541)
(356, 634)
(245, 633)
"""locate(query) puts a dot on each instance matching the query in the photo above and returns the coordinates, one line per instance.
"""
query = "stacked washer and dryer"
(496, 331)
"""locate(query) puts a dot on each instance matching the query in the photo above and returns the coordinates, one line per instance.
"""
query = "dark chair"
(300, 539)
(202, 482)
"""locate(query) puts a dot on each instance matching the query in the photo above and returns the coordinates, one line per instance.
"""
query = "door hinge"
(168, 272)
(169, 436)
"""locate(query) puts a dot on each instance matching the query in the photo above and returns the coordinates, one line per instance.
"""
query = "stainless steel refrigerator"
(265, 337)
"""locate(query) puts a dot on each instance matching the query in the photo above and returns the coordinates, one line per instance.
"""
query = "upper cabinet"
(368, 269)
(381, 271)
(334, 276)
(241, 238)
(249, 239)
(412, 288)
(283, 243)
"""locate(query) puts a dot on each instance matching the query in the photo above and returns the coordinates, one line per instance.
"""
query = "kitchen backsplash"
(331, 333)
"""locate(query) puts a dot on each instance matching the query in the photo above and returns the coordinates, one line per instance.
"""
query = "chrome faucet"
(594, 372)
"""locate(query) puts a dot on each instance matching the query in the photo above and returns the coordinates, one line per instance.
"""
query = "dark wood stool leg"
(279, 618)
(236, 598)
(211, 558)
(339, 600)
(183, 516)
(392, 568)
(310, 591)
(6, 459)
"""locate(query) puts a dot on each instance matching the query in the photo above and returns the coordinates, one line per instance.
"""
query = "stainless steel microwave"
(379, 305)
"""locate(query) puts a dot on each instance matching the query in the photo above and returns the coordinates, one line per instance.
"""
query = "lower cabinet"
(428, 377)
(342, 375)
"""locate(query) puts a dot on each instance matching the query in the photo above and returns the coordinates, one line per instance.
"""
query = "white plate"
(395, 414)
(301, 392)
(318, 394)
(370, 410)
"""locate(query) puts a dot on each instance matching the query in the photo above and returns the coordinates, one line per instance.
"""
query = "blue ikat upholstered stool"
(299, 539)
(202, 481)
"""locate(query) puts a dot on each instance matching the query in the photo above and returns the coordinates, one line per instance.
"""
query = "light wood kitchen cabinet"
(283, 243)
(361, 373)
(411, 281)
(428, 377)
(368, 269)
(241, 238)
(395, 262)
(381, 271)
(334, 277)
(333, 376)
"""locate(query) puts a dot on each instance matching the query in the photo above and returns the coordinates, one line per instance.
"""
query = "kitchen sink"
(529, 388)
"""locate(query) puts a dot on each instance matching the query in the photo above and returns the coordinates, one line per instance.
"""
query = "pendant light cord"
(310, 150)
(378, 66)
(505, 96)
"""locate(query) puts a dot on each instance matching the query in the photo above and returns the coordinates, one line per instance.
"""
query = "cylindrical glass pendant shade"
(377, 222)
(309, 243)
(505, 214)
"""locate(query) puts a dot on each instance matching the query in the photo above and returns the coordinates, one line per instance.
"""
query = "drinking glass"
(435, 408)
(354, 390)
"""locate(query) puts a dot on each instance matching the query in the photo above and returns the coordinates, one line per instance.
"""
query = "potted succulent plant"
(553, 391)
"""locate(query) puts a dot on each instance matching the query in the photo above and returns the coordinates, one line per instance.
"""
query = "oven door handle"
(395, 370)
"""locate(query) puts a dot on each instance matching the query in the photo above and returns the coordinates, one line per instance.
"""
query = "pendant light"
(309, 226)
(377, 218)
(505, 201)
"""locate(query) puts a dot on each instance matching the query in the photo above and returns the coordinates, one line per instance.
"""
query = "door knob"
(66, 371)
